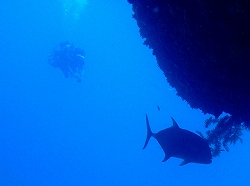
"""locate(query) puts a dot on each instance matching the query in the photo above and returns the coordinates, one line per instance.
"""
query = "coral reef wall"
(203, 48)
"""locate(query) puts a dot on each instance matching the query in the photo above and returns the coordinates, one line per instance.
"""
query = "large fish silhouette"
(181, 143)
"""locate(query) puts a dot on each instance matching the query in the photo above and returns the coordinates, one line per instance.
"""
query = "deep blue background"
(55, 131)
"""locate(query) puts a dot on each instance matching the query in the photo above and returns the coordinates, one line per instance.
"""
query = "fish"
(181, 143)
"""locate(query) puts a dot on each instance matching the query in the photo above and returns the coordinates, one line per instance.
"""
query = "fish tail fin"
(149, 132)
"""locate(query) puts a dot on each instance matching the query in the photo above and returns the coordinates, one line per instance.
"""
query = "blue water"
(55, 131)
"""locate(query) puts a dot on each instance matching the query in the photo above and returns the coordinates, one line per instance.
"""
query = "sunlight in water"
(72, 9)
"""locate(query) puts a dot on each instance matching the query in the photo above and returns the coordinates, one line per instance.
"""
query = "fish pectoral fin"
(166, 158)
(184, 162)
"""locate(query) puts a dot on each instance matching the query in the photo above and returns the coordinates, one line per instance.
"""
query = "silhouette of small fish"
(181, 143)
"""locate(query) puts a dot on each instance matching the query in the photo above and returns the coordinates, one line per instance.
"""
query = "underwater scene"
(84, 102)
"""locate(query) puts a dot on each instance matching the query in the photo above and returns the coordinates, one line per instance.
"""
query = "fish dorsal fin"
(184, 162)
(175, 125)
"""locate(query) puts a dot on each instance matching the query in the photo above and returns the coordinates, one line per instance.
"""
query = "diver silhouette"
(69, 59)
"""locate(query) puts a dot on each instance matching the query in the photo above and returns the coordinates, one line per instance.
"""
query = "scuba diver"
(69, 59)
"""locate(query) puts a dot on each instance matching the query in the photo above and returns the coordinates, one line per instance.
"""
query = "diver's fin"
(184, 162)
(149, 133)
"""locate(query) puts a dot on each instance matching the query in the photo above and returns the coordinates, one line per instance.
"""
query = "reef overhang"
(203, 48)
